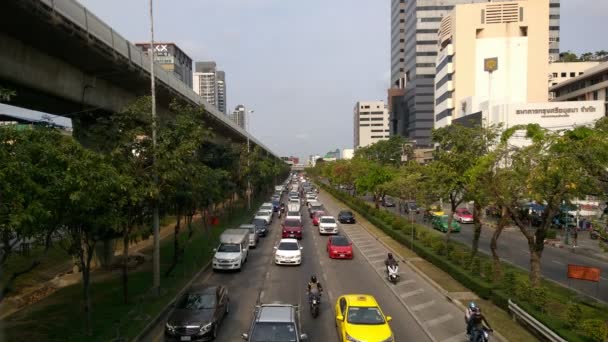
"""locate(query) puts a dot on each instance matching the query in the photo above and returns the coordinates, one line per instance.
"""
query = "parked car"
(463, 215)
(441, 223)
(275, 322)
(292, 229)
(265, 215)
(411, 206)
(316, 217)
(346, 216)
(254, 237)
(288, 252)
(276, 203)
(232, 251)
(197, 314)
(267, 206)
(359, 318)
(260, 226)
(328, 225)
(388, 202)
(338, 246)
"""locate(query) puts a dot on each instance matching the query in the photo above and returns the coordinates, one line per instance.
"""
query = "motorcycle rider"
(476, 321)
(468, 313)
(313, 283)
(390, 261)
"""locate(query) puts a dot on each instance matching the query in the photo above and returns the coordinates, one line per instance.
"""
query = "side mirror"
(244, 249)
(245, 336)
(304, 337)
(339, 317)
(215, 250)
(350, 243)
(389, 318)
(275, 247)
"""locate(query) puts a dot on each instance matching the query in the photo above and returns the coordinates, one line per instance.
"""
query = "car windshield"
(267, 207)
(292, 223)
(288, 246)
(196, 301)
(465, 212)
(339, 241)
(229, 248)
(294, 200)
(328, 220)
(364, 315)
(262, 213)
(346, 213)
(316, 206)
(274, 332)
(259, 222)
(293, 213)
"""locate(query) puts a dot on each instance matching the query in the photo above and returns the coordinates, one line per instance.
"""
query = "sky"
(301, 65)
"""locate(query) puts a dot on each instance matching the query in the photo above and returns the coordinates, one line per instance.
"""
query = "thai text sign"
(584, 273)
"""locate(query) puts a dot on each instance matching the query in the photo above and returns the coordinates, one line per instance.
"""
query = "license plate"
(341, 255)
(291, 235)
(186, 338)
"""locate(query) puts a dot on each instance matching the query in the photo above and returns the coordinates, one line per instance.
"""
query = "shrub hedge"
(471, 272)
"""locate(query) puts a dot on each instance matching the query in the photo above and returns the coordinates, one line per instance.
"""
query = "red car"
(292, 228)
(316, 216)
(463, 215)
(339, 247)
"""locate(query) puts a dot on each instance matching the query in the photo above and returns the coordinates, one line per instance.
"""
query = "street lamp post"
(155, 219)
(248, 159)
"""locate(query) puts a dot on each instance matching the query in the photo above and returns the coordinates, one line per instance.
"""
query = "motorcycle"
(393, 273)
(314, 299)
(281, 211)
(481, 334)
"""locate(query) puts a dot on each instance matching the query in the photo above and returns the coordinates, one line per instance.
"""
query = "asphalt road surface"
(261, 280)
(513, 248)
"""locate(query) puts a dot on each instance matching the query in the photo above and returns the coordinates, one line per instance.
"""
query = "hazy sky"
(302, 64)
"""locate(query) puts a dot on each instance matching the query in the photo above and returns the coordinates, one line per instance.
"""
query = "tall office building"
(414, 27)
(239, 115)
(370, 123)
(210, 84)
(172, 59)
(554, 30)
(221, 91)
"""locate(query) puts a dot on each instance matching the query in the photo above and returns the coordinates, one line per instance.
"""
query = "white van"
(232, 251)
(253, 234)
(293, 206)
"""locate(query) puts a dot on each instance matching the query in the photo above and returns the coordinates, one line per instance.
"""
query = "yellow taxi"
(360, 319)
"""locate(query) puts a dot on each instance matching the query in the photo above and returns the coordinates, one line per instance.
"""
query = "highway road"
(512, 247)
(261, 279)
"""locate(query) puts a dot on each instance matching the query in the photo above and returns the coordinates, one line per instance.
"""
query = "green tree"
(387, 152)
(6, 94)
(370, 176)
(568, 56)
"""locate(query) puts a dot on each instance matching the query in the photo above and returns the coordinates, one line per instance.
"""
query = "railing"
(540, 328)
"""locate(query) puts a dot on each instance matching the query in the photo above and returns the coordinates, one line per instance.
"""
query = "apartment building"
(370, 123)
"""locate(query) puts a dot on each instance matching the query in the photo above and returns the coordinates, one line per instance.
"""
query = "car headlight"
(352, 339)
(170, 327)
(205, 328)
(390, 339)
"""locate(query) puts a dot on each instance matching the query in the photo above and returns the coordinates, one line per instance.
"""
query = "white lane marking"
(604, 278)
(405, 282)
(423, 306)
(525, 250)
(558, 262)
(262, 296)
(441, 319)
(375, 255)
(411, 293)
(455, 338)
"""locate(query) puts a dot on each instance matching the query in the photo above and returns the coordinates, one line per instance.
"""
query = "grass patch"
(59, 317)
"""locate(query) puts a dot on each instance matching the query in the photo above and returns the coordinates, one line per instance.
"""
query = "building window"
(426, 42)
(572, 74)
(595, 96)
(564, 74)
(554, 16)
(377, 119)
(430, 20)
(580, 73)
(376, 124)
(425, 65)
(376, 136)
(376, 130)
(554, 5)
(364, 125)
(553, 28)
(434, 8)
(554, 83)
(363, 119)
(378, 113)
(554, 74)
(426, 31)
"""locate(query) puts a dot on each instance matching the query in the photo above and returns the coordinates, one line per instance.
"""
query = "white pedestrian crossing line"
(411, 293)
(423, 306)
(439, 320)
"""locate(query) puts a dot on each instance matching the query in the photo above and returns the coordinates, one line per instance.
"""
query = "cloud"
(302, 136)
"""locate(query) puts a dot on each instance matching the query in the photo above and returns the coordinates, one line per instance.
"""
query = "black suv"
(346, 216)
(275, 322)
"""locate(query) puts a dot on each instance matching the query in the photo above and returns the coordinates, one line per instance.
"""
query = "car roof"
(247, 226)
(331, 217)
(203, 289)
(288, 240)
(362, 300)
(276, 313)
(345, 211)
(338, 237)
(266, 204)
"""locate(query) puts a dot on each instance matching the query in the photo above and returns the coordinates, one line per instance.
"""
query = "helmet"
(477, 311)
(390, 255)
(313, 278)
(472, 306)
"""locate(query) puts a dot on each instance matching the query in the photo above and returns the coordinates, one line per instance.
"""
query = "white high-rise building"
(239, 116)
(370, 123)
(210, 84)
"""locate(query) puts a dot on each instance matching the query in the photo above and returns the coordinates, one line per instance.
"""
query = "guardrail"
(540, 328)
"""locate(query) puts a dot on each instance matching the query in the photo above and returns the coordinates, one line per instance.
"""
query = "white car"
(288, 252)
(311, 198)
(265, 215)
(328, 225)
(293, 215)
(267, 206)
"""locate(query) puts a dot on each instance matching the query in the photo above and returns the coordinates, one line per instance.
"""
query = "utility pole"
(247, 116)
(156, 224)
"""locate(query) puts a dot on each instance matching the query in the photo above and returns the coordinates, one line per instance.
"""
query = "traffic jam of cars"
(198, 313)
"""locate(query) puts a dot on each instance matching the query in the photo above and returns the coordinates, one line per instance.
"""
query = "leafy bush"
(551, 234)
(595, 329)
(539, 297)
(488, 271)
(476, 266)
(573, 315)
(438, 247)
(509, 283)
(523, 290)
